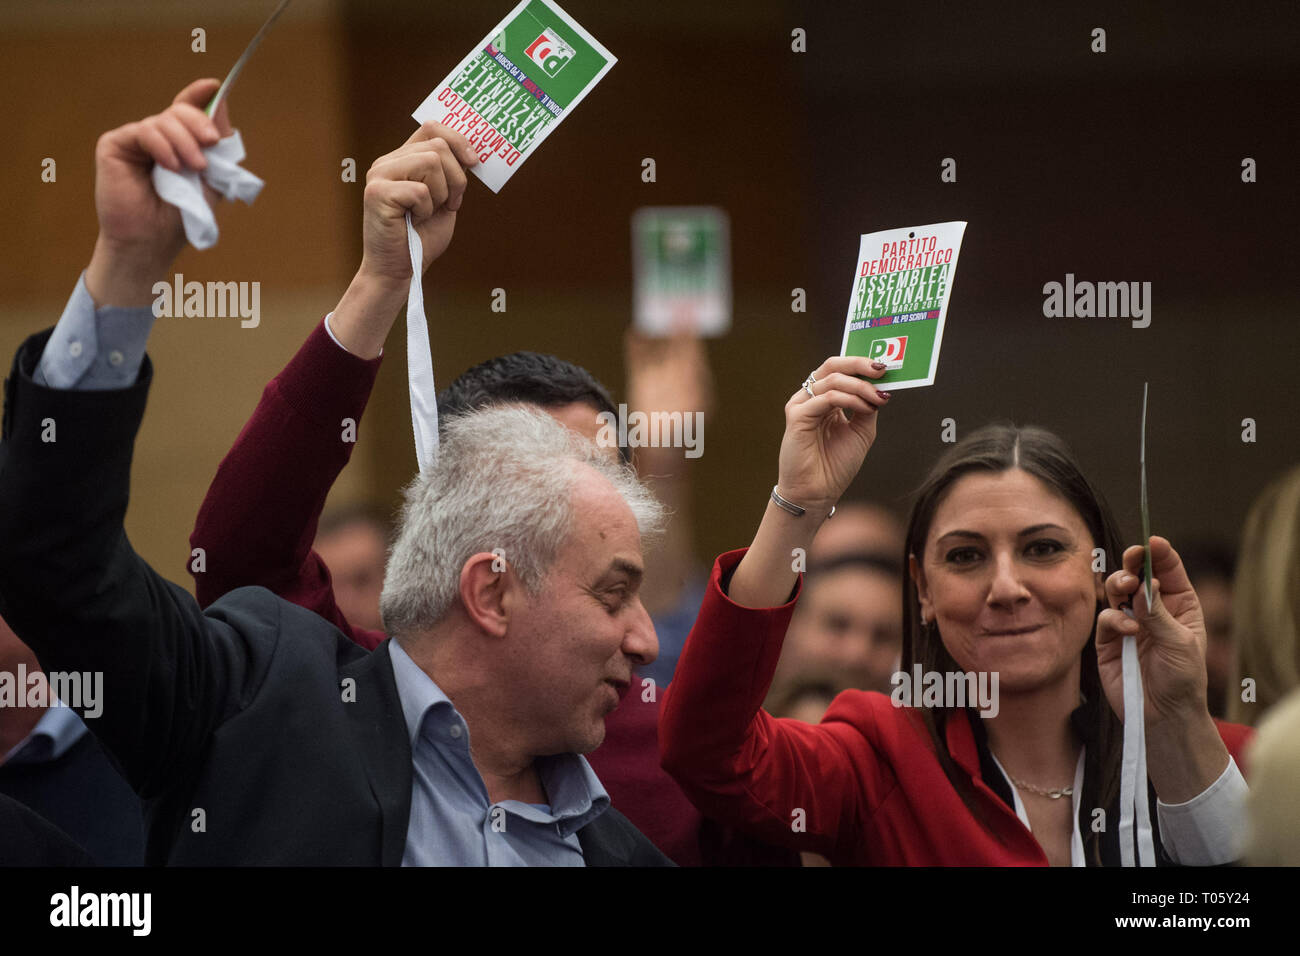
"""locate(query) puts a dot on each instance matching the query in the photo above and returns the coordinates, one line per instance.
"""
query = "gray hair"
(503, 478)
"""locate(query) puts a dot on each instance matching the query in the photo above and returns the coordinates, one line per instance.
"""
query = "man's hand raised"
(426, 177)
(139, 234)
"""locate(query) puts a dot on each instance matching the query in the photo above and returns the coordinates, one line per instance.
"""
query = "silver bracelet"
(790, 506)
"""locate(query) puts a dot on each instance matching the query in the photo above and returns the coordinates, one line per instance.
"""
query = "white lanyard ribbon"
(419, 360)
(1133, 769)
(224, 174)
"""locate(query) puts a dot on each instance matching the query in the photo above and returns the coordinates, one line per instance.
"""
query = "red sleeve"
(735, 761)
(1237, 738)
(258, 521)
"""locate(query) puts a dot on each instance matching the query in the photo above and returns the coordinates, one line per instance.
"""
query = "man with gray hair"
(513, 582)
(255, 731)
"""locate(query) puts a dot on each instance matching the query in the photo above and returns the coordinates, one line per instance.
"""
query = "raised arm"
(669, 375)
(785, 781)
(70, 584)
(259, 518)
(258, 521)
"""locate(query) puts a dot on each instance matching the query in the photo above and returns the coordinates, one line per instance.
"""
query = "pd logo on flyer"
(890, 351)
(549, 52)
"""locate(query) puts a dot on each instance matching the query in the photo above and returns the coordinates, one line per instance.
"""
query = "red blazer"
(862, 787)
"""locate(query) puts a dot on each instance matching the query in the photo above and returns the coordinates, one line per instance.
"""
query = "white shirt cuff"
(1210, 828)
(334, 339)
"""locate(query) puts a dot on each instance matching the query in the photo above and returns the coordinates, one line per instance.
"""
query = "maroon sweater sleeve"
(787, 782)
(257, 524)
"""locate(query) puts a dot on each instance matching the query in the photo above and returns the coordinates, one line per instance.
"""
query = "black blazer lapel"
(612, 840)
(380, 732)
(603, 843)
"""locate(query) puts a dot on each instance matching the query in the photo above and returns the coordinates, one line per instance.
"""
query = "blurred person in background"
(669, 375)
(1274, 759)
(803, 700)
(847, 630)
(1210, 565)
(1266, 606)
(353, 543)
(859, 527)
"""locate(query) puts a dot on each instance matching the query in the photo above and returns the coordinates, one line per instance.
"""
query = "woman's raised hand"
(830, 424)
(824, 447)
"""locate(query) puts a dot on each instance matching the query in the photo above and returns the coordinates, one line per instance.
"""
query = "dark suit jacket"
(28, 839)
(231, 724)
(108, 826)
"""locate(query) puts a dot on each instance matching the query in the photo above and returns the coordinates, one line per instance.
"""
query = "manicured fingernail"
(883, 394)
(878, 366)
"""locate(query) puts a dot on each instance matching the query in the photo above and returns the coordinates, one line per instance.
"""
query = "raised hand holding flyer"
(505, 98)
(899, 300)
(515, 88)
(682, 270)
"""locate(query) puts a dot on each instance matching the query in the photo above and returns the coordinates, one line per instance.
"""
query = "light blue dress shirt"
(453, 823)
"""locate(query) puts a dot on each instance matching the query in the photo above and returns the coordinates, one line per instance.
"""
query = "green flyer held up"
(515, 88)
(899, 300)
(682, 278)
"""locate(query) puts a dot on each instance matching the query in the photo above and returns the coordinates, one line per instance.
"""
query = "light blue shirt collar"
(575, 793)
(53, 736)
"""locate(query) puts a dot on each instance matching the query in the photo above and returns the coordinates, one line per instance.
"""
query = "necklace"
(1055, 793)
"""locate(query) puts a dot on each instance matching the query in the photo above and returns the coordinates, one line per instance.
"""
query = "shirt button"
(74, 349)
(116, 358)
(455, 731)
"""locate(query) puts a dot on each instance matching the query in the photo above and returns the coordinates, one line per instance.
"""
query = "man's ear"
(488, 592)
(922, 592)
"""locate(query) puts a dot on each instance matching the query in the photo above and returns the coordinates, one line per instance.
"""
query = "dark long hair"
(997, 448)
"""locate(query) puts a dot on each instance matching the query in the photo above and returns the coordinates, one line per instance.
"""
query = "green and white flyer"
(900, 300)
(510, 93)
(682, 268)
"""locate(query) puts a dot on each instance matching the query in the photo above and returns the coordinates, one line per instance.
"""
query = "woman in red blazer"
(1004, 549)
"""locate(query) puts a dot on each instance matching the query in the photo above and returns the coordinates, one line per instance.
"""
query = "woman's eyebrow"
(975, 535)
(960, 534)
(1034, 529)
